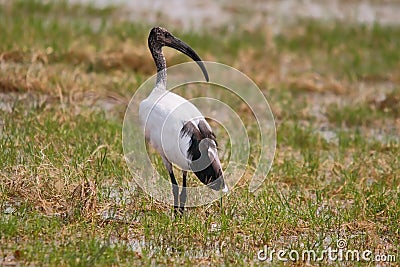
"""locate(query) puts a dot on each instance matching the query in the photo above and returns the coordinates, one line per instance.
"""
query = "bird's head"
(160, 37)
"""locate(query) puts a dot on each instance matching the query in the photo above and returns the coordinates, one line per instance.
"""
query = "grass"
(354, 51)
(67, 197)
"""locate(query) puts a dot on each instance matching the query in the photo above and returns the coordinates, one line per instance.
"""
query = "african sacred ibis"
(176, 128)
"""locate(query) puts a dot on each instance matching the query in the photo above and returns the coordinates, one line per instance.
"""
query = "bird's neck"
(161, 65)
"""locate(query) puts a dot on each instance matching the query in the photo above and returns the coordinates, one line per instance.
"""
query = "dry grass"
(67, 197)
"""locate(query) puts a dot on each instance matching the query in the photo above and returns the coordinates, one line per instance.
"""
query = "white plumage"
(163, 114)
(175, 127)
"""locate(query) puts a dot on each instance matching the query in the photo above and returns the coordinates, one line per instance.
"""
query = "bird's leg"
(175, 187)
(182, 197)
(175, 190)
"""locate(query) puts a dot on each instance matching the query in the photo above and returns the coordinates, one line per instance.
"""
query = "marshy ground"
(68, 71)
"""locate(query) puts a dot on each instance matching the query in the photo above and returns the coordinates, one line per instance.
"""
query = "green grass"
(354, 115)
(352, 50)
(67, 197)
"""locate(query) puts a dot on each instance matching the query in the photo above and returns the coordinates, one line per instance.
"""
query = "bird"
(175, 128)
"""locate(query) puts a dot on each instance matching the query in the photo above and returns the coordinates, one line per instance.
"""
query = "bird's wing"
(163, 117)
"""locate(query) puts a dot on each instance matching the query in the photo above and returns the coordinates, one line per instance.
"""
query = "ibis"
(175, 128)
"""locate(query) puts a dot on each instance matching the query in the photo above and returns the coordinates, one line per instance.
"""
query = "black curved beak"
(179, 45)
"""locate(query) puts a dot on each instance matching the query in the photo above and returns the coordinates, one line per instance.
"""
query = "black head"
(160, 37)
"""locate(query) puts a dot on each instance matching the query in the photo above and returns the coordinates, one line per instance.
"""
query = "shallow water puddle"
(202, 15)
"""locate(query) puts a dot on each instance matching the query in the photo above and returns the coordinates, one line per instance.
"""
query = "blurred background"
(208, 15)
